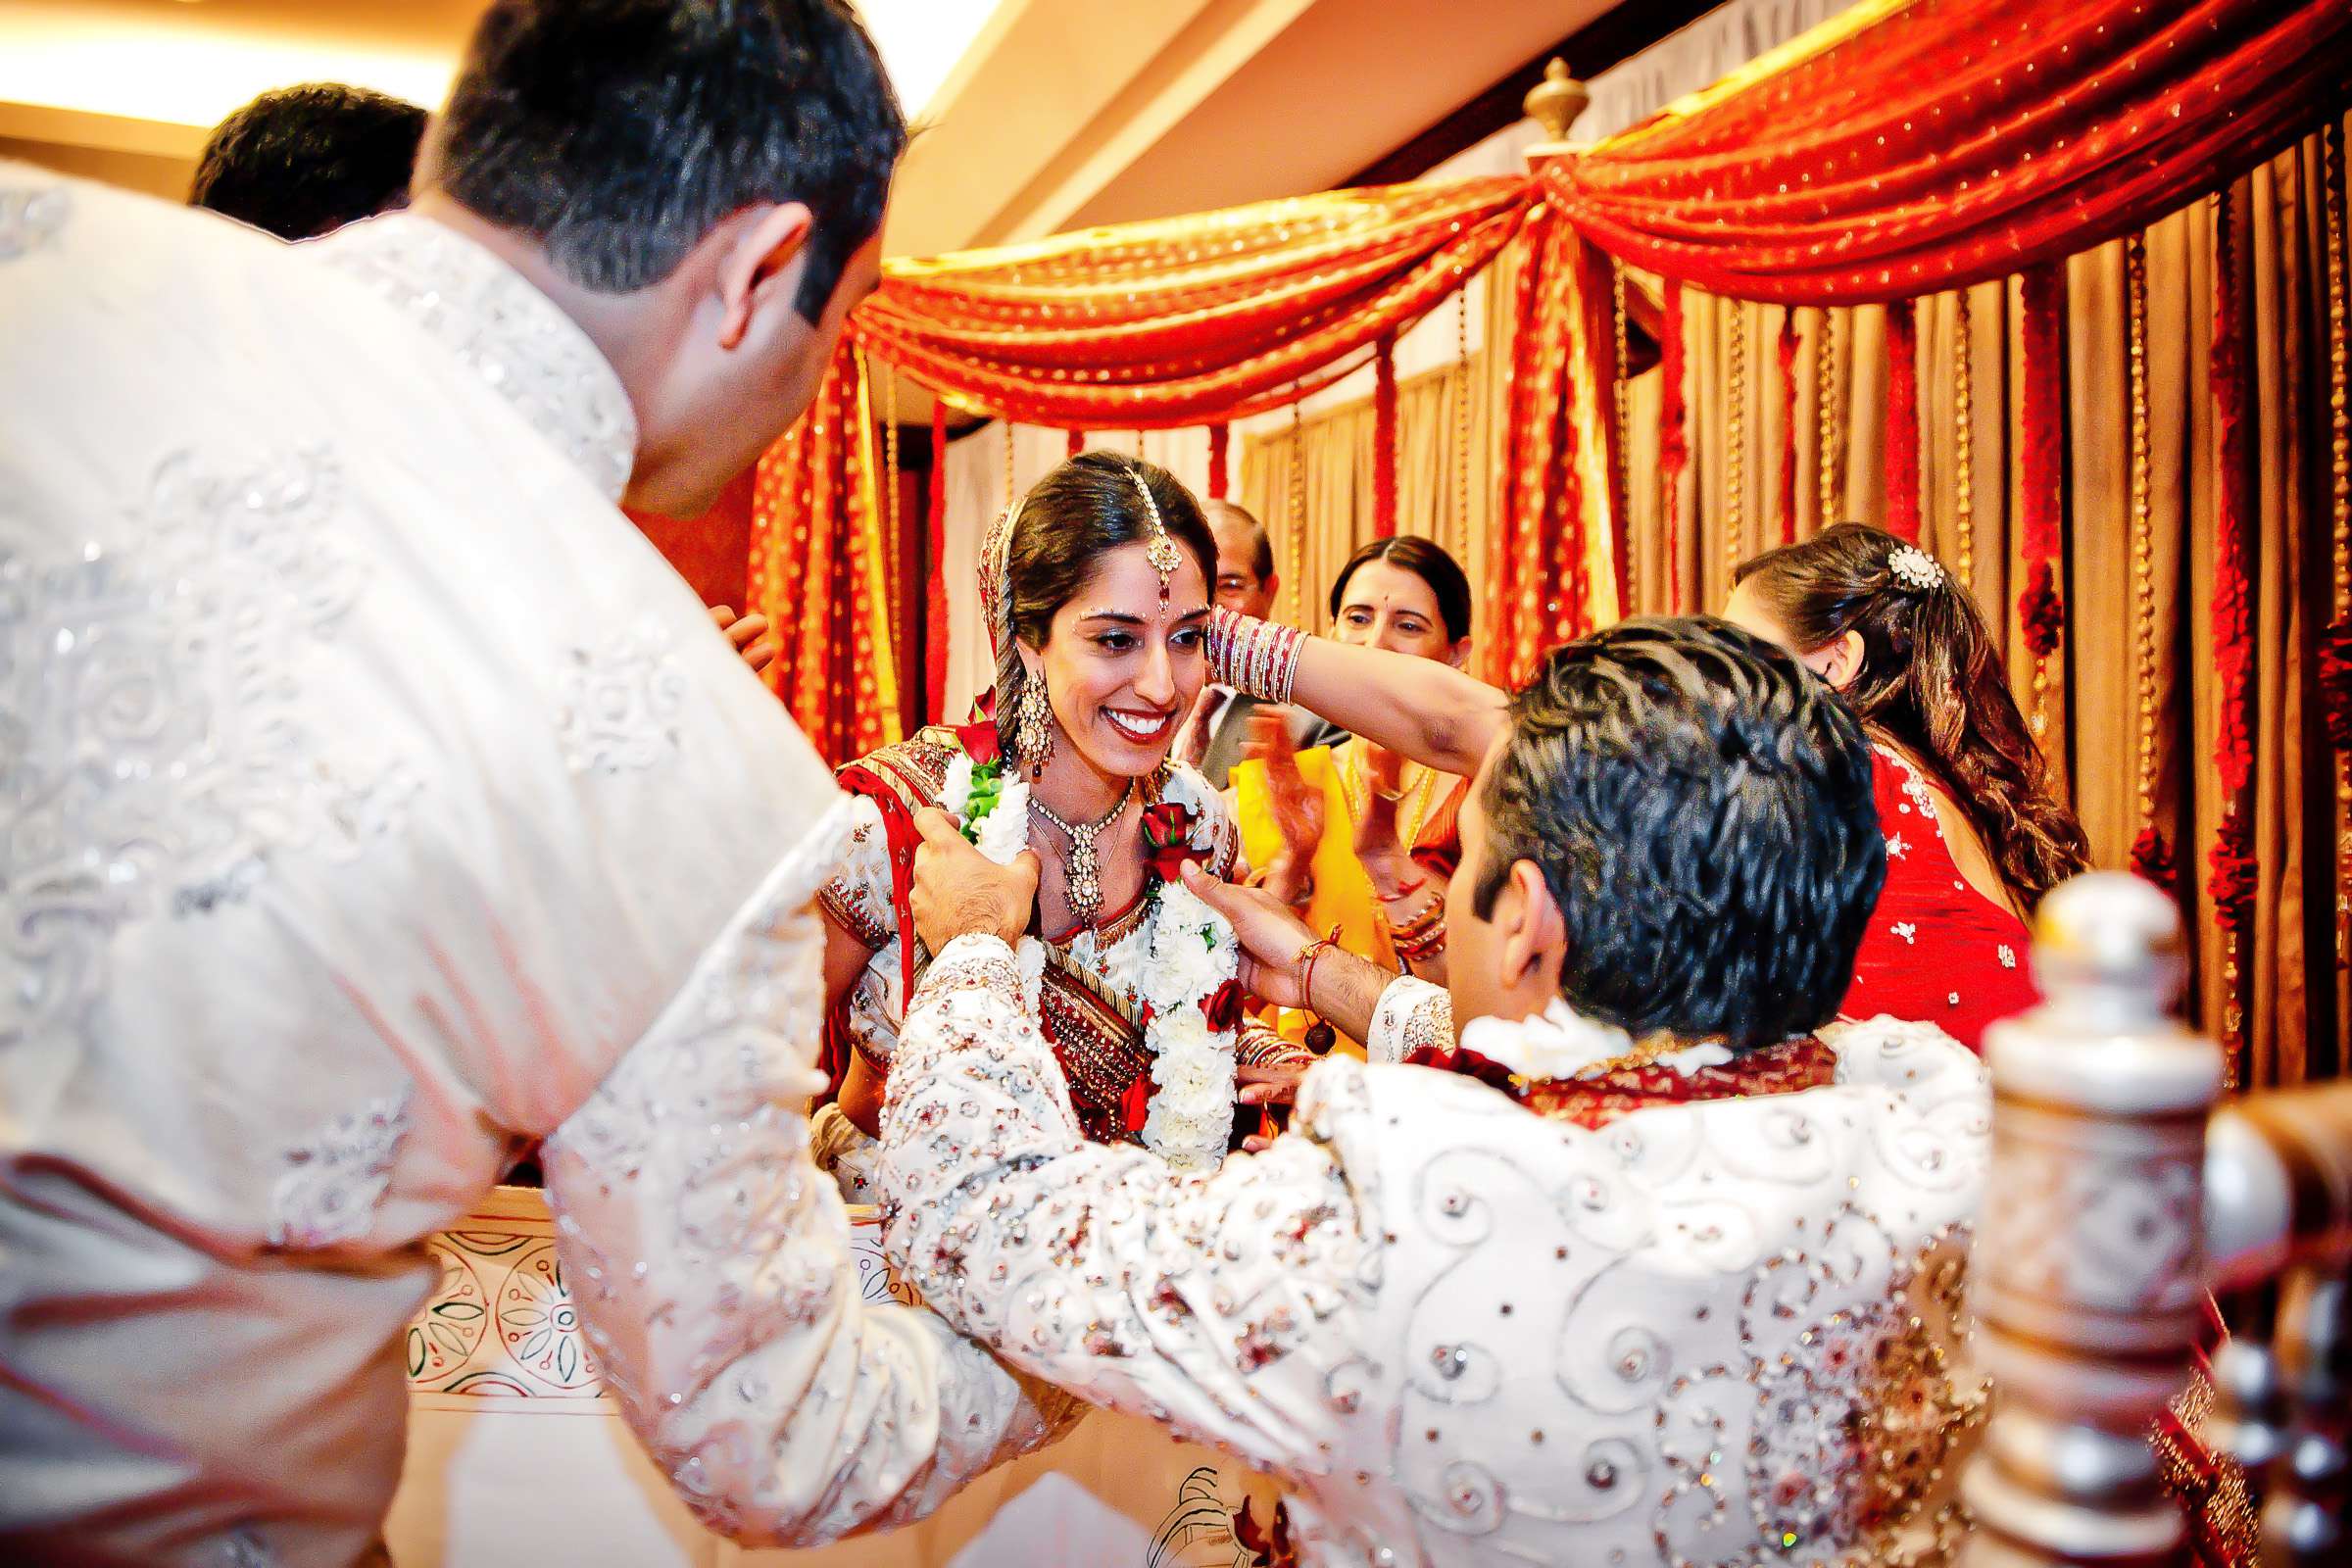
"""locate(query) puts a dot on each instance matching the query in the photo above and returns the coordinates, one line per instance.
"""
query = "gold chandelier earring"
(1033, 725)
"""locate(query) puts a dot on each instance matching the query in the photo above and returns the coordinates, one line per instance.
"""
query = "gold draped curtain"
(2295, 1018)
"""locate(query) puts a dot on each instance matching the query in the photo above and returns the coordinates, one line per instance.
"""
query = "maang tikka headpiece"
(1159, 549)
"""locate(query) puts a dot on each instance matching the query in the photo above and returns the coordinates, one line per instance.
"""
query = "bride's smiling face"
(1123, 662)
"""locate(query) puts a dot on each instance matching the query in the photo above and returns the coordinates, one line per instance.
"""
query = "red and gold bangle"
(1421, 937)
(1256, 657)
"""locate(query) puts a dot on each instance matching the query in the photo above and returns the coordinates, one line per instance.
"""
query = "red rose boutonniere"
(1168, 836)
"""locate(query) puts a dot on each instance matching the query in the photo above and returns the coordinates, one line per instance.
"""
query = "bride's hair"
(1932, 681)
(1081, 511)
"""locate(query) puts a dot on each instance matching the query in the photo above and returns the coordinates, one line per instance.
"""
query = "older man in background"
(1247, 583)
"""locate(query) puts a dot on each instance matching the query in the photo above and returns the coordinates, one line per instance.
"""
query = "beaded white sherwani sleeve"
(713, 1264)
(1411, 1014)
(1204, 1303)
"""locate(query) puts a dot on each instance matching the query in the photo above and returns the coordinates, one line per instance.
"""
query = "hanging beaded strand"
(1007, 423)
(2339, 462)
(1828, 426)
(1623, 490)
(1461, 419)
(1298, 530)
(2143, 544)
(1964, 435)
(1734, 443)
(897, 589)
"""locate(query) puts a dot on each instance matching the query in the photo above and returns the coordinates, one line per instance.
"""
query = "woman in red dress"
(1975, 835)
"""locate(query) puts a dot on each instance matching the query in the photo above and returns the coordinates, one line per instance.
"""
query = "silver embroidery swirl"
(155, 747)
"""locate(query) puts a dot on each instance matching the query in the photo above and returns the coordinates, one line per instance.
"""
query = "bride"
(1096, 591)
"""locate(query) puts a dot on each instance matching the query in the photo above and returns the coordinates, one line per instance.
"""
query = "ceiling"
(1041, 115)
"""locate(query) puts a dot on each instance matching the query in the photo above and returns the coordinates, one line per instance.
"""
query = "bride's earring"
(1033, 733)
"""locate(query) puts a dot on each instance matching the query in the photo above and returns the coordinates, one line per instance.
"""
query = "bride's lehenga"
(1089, 987)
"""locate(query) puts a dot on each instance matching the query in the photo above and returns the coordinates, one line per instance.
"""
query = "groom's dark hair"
(1700, 808)
(618, 134)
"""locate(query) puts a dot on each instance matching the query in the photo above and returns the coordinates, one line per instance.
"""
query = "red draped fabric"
(1903, 149)
(1552, 573)
(817, 570)
(1157, 324)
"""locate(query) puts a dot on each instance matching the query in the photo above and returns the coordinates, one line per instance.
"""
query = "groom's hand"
(1270, 935)
(959, 892)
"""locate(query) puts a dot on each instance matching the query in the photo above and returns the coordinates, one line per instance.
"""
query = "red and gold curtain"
(1910, 146)
(1185, 321)
(1554, 560)
(817, 570)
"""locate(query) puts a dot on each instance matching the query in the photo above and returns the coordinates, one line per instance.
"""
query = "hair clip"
(1914, 568)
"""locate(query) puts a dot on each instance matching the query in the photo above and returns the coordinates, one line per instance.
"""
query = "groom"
(373, 800)
(1654, 1273)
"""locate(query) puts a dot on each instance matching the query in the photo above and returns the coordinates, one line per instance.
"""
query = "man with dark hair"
(1650, 1265)
(1247, 583)
(380, 802)
(302, 162)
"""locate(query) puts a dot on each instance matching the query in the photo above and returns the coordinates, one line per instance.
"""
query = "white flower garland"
(1175, 960)
(1560, 1043)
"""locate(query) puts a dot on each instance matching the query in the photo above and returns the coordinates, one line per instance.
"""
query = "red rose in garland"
(1223, 1007)
(980, 742)
(1135, 1106)
(1168, 839)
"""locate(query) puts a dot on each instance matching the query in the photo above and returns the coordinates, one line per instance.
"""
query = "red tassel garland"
(2043, 458)
(1787, 502)
(1902, 420)
(1220, 441)
(935, 603)
(1674, 446)
(2152, 860)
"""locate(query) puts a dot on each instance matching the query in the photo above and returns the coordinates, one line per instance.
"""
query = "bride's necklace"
(1082, 873)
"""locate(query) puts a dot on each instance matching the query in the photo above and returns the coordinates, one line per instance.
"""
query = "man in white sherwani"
(373, 800)
(1655, 1273)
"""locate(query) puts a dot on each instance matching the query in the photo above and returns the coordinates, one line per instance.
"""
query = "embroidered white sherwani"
(373, 797)
(1459, 1332)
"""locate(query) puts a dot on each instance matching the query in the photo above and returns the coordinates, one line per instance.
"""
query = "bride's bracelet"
(1257, 657)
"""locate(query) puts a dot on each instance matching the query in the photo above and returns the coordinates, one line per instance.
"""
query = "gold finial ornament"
(1554, 102)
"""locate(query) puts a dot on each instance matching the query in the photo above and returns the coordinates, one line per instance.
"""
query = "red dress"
(1936, 951)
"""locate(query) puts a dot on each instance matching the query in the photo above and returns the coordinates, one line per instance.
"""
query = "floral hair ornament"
(1914, 568)
(1160, 550)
